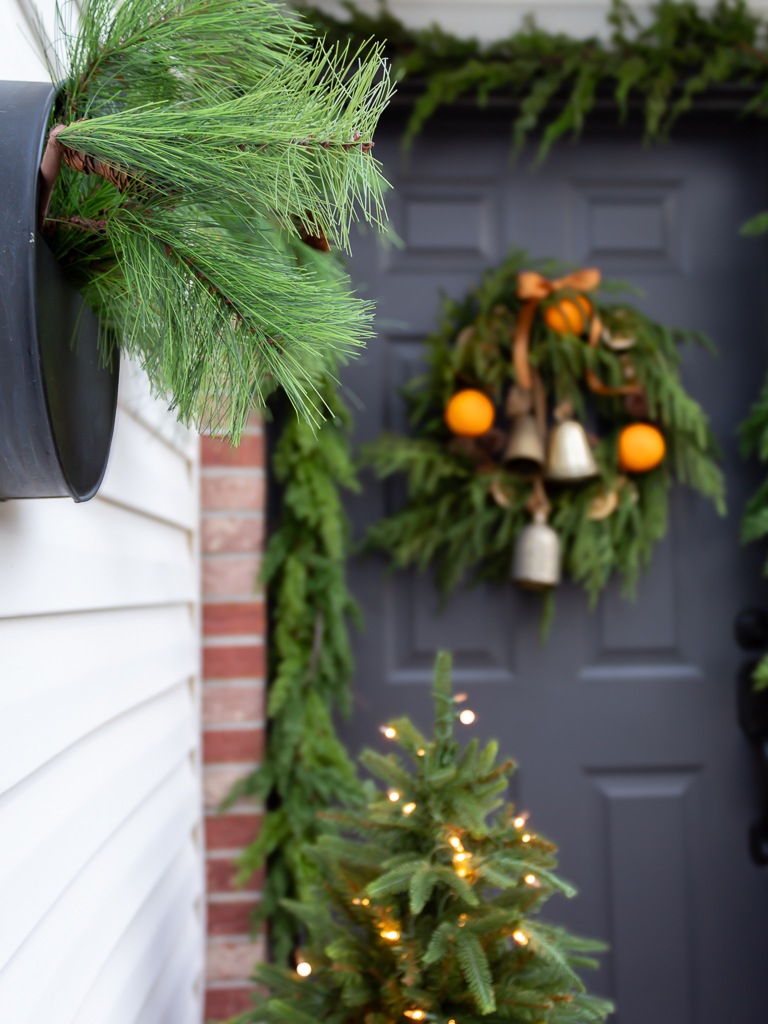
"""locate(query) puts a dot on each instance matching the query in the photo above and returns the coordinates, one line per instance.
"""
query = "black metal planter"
(57, 399)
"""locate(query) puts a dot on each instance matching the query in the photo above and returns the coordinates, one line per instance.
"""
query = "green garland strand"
(453, 518)
(754, 523)
(306, 769)
(663, 63)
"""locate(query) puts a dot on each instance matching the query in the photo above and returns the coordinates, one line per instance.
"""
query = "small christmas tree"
(429, 913)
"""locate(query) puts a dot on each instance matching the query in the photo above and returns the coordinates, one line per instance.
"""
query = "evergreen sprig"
(305, 768)
(237, 137)
(754, 523)
(452, 518)
(426, 905)
(662, 63)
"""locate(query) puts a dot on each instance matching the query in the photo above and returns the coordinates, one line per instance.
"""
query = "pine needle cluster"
(451, 518)
(427, 903)
(305, 768)
(230, 137)
(659, 63)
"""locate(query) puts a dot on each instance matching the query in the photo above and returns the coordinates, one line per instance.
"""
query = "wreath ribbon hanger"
(534, 288)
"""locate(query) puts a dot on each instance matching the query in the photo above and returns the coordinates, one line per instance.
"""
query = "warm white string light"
(394, 796)
(467, 717)
(526, 838)
(388, 731)
(414, 1014)
(460, 698)
(390, 934)
(455, 843)
(420, 752)
(520, 937)
(409, 808)
(303, 969)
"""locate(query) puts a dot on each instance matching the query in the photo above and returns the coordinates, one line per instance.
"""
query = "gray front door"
(624, 724)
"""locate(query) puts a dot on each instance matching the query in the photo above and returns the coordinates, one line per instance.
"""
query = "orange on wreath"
(641, 447)
(470, 413)
(569, 316)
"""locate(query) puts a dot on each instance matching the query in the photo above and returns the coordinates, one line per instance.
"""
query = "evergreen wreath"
(465, 508)
(200, 152)
(306, 768)
(426, 905)
(661, 63)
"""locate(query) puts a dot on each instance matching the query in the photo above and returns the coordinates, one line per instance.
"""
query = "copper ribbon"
(534, 288)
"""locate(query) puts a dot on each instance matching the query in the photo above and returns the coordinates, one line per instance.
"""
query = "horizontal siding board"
(133, 968)
(170, 996)
(85, 670)
(136, 398)
(61, 557)
(63, 814)
(146, 475)
(82, 927)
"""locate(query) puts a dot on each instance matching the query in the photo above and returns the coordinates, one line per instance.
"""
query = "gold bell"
(524, 453)
(570, 457)
(536, 559)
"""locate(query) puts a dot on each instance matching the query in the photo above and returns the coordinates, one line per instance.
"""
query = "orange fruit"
(641, 447)
(569, 316)
(470, 413)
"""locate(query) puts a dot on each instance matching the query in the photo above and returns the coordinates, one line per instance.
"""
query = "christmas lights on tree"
(427, 902)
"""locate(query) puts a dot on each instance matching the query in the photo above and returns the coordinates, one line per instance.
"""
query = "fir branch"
(401, 919)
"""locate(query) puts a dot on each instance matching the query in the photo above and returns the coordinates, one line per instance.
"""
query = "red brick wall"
(232, 531)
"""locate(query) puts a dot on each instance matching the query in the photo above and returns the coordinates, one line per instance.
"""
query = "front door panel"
(624, 724)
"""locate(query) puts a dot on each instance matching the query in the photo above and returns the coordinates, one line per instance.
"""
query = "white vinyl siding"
(101, 875)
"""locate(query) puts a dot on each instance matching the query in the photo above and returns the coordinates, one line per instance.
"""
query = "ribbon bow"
(533, 288)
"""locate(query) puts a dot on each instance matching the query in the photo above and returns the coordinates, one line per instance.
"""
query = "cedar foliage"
(305, 768)
(661, 63)
(457, 886)
(451, 519)
(238, 136)
(754, 523)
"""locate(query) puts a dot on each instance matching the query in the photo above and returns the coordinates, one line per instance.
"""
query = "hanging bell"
(524, 453)
(570, 457)
(536, 559)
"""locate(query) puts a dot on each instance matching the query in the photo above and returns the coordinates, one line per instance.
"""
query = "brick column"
(232, 531)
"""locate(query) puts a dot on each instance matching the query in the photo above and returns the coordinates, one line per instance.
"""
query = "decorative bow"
(534, 287)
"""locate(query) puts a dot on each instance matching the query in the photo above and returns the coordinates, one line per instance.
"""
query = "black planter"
(57, 399)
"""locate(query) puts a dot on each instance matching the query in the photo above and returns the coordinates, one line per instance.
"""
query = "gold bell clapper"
(569, 457)
(536, 558)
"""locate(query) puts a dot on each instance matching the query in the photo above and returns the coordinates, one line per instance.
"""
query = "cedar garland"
(306, 768)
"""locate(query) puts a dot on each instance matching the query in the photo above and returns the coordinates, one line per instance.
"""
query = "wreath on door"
(545, 434)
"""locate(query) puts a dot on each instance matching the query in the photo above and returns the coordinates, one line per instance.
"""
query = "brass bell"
(536, 559)
(524, 453)
(570, 457)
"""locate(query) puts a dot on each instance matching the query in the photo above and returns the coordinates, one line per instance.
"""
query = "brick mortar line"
(233, 640)
(217, 681)
(210, 472)
(235, 726)
(245, 683)
(235, 513)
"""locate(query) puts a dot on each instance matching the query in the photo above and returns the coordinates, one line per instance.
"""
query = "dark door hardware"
(751, 629)
(753, 719)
